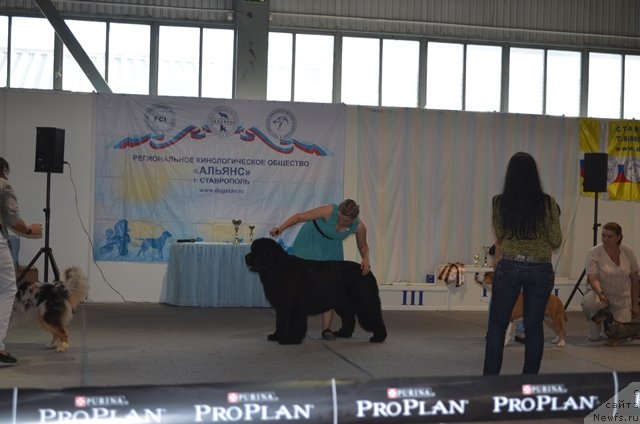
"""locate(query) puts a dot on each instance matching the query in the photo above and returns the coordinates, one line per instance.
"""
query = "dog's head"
(604, 315)
(265, 253)
(165, 235)
(484, 278)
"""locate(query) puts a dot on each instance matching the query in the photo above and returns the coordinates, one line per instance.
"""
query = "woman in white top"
(612, 273)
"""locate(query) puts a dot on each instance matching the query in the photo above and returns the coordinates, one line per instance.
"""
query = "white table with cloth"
(212, 275)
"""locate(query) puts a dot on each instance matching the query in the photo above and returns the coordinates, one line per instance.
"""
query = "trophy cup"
(476, 259)
(486, 253)
(236, 224)
(251, 228)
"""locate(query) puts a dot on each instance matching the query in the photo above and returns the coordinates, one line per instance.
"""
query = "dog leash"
(315, 224)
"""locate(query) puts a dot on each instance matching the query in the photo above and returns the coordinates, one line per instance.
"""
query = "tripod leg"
(56, 272)
(576, 287)
(33, 261)
(595, 241)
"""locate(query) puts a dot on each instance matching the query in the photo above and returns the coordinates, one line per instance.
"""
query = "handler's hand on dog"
(275, 231)
(603, 298)
(365, 267)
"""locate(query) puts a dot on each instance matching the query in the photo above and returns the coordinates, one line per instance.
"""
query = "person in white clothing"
(612, 273)
(9, 218)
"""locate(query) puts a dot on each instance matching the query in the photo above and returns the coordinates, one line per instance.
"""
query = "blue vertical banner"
(173, 168)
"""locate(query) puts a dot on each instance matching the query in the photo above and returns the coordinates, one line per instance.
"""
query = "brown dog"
(554, 314)
(615, 330)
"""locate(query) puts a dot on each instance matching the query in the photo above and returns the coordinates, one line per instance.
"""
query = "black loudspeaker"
(595, 172)
(49, 149)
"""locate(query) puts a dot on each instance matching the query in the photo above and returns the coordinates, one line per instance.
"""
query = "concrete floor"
(157, 344)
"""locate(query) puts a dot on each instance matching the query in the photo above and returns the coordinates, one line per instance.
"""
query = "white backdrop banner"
(179, 168)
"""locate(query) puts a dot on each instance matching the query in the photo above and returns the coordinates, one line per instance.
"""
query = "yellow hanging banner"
(620, 139)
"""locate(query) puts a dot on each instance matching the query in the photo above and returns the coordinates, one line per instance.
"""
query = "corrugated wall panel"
(610, 23)
(163, 10)
(599, 23)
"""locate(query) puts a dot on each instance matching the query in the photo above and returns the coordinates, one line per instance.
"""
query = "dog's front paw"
(273, 337)
(343, 333)
(558, 341)
(378, 337)
(63, 347)
(289, 341)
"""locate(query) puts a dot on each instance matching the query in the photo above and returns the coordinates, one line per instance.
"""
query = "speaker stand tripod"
(595, 241)
(46, 250)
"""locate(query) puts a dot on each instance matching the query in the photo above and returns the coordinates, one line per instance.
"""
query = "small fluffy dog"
(554, 315)
(53, 304)
(615, 330)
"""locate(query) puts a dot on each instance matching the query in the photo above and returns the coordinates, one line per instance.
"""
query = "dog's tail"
(75, 282)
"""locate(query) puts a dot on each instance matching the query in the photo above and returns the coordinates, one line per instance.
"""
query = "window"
(4, 49)
(563, 83)
(178, 61)
(605, 73)
(31, 53)
(314, 68)
(217, 63)
(360, 70)
(484, 69)
(129, 58)
(632, 87)
(526, 80)
(400, 63)
(92, 37)
(444, 76)
(280, 66)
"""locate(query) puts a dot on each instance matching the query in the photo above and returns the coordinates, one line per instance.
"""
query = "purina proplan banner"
(400, 400)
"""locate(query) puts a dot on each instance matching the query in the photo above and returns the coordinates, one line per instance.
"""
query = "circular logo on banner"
(632, 170)
(281, 123)
(223, 121)
(160, 118)
(612, 169)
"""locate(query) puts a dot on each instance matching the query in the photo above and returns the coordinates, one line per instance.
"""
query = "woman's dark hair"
(4, 167)
(522, 204)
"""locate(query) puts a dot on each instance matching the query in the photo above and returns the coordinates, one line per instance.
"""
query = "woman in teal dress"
(321, 236)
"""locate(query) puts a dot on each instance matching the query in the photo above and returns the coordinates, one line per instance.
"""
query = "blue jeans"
(535, 280)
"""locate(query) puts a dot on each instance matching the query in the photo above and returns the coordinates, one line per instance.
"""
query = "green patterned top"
(548, 238)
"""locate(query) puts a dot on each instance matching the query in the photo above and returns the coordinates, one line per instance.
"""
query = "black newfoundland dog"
(298, 287)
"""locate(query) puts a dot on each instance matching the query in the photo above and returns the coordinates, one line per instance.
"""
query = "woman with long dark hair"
(526, 222)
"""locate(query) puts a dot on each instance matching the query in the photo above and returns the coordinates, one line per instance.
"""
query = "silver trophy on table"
(486, 254)
(251, 228)
(236, 225)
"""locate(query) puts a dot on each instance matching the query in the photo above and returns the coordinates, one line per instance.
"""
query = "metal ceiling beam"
(51, 13)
